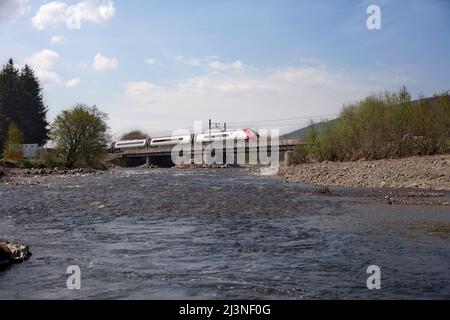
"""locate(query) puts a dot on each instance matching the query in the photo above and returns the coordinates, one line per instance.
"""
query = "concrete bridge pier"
(289, 158)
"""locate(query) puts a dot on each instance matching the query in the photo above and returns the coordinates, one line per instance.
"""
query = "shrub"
(387, 125)
(431, 125)
(13, 149)
(51, 159)
(301, 154)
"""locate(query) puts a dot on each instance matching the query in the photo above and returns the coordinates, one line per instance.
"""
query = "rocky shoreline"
(414, 180)
(203, 166)
(19, 177)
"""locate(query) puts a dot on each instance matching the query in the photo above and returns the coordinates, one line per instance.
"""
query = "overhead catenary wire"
(325, 116)
(283, 123)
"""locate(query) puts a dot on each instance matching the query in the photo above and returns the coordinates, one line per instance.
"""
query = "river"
(217, 234)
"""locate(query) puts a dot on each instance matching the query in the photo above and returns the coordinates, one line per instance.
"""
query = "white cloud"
(56, 12)
(194, 62)
(239, 96)
(211, 63)
(392, 79)
(57, 40)
(140, 88)
(151, 61)
(73, 83)
(44, 59)
(103, 63)
(13, 9)
(309, 76)
(50, 13)
(309, 60)
(43, 62)
(220, 66)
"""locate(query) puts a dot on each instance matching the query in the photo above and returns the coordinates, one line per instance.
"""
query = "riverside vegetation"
(383, 126)
(384, 141)
(79, 133)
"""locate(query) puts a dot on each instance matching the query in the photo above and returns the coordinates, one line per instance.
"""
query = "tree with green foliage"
(21, 103)
(80, 135)
(13, 147)
(9, 99)
(431, 125)
(33, 119)
(134, 135)
(386, 125)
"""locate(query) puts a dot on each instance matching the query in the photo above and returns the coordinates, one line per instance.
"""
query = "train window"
(225, 135)
(168, 140)
(129, 144)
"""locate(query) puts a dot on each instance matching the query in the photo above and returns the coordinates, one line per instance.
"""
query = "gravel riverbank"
(17, 177)
(429, 173)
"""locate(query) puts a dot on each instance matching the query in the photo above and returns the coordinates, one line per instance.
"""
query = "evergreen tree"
(33, 112)
(9, 98)
(21, 102)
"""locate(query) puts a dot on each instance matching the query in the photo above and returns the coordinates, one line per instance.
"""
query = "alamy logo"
(74, 280)
(374, 281)
(74, 18)
(241, 147)
(374, 20)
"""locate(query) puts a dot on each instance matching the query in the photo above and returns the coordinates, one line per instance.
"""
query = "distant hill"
(302, 132)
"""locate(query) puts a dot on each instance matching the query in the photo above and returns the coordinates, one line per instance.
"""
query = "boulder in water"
(11, 253)
(324, 190)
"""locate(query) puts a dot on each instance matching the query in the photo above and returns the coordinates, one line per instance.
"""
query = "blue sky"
(161, 65)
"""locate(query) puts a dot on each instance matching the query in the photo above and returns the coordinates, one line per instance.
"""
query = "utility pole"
(210, 123)
(217, 125)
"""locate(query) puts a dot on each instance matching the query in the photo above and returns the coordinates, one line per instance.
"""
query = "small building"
(30, 151)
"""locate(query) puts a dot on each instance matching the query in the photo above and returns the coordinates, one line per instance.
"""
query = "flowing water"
(217, 234)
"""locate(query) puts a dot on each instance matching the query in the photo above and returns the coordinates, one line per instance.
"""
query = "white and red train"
(238, 135)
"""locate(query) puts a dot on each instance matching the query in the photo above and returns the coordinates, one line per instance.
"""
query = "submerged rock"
(204, 166)
(324, 190)
(11, 253)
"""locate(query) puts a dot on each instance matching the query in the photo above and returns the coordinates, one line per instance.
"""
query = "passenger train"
(238, 135)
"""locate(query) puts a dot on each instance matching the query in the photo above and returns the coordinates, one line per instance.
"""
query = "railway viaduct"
(162, 156)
